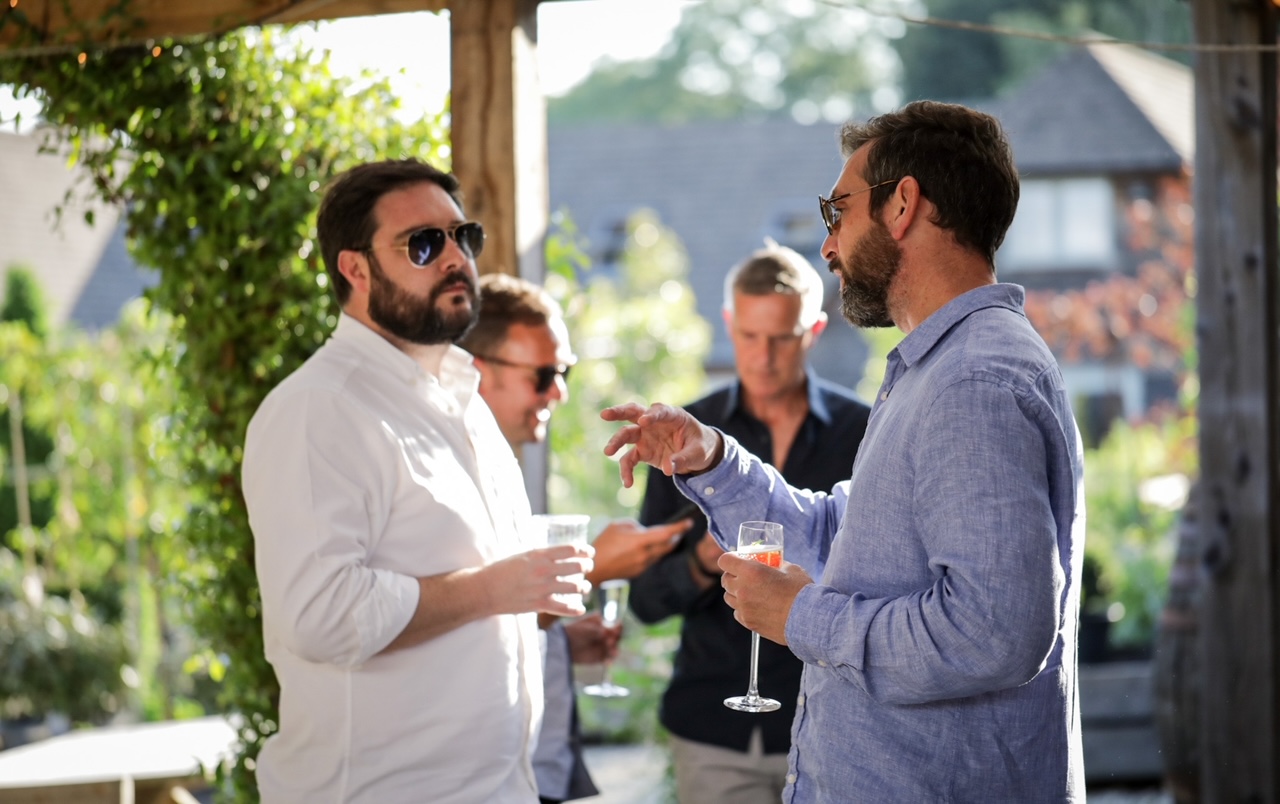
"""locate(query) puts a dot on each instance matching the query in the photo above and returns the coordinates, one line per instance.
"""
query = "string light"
(156, 51)
(1000, 30)
(82, 58)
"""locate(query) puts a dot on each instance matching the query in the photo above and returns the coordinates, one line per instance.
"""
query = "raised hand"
(663, 436)
(625, 548)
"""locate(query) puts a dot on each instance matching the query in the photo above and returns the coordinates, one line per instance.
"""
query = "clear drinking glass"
(564, 529)
(611, 596)
(761, 541)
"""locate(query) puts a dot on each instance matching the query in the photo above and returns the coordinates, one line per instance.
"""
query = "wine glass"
(612, 598)
(760, 541)
(564, 529)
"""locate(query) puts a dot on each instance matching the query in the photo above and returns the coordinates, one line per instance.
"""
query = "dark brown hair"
(345, 221)
(507, 300)
(959, 156)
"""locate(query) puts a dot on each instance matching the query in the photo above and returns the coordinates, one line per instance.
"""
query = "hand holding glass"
(612, 598)
(564, 529)
(761, 541)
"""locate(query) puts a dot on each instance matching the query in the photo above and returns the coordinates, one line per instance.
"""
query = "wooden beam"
(1236, 261)
(499, 142)
(28, 27)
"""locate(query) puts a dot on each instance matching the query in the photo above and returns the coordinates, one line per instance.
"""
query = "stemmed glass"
(760, 541)
(612, 598)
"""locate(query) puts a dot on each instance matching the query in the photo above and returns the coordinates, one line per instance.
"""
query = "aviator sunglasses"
(544, 376)
(425, 245)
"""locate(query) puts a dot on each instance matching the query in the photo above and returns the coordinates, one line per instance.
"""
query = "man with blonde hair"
(811, 429)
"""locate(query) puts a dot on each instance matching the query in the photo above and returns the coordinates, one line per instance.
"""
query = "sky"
(572, 36)
(412, 50)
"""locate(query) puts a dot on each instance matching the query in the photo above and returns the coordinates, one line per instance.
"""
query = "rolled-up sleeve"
(314, 515)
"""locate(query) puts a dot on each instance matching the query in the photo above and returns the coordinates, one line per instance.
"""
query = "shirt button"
(822, 662)
(710, 490)
(791, 778)
(800, 700)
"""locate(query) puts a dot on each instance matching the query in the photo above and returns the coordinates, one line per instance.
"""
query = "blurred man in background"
(521, 348)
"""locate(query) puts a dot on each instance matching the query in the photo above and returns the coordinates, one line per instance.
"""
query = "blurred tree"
(943, 63)
(24, 301)
(26, 490)
(217, 147)
(639, 338)
(730, 59)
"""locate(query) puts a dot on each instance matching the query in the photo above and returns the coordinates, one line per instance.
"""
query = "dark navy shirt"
(711, 663)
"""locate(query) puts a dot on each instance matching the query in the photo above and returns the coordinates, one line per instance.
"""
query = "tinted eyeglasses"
(425, 245)
(545, 376)
(831, 215)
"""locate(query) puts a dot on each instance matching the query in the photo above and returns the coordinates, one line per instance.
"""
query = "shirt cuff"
(815, 611)
(385, 612)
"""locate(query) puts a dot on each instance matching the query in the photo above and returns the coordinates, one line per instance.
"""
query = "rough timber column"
(500, 130)
(1238, 310)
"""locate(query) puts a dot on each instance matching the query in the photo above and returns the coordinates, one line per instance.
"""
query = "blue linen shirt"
(940, 640)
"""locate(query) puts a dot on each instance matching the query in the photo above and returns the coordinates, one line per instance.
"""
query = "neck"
(790, 404)
(429, 356)
(932, 280)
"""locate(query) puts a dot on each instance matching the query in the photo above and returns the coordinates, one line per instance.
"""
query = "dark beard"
(417, 320)
(864, 287)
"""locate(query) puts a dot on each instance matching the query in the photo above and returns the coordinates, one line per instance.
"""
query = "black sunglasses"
(425, 245)
(827, 206)
(545, 375)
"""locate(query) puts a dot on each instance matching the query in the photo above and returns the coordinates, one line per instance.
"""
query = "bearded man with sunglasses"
(521, 347)
(934, 595)
(400, 581)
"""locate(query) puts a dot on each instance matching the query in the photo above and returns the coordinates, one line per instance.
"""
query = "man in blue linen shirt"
(940, 639)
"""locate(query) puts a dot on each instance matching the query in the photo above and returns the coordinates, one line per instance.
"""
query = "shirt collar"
(453, 366)
(923, 338)
(817, 405)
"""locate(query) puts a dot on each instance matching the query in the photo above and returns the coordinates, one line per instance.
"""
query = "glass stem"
(755, 657)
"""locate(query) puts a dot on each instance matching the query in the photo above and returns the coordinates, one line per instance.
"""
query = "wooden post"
(499, 142)
(1236, 262)
(499, 136)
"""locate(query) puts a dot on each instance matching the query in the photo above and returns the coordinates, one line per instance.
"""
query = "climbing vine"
(216, 149)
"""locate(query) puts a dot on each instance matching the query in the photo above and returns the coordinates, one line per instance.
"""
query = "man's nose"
(828, 250)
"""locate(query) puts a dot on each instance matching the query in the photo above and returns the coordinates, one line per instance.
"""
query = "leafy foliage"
(99, 568)
(58, 656)
(24, 301)
(217, 147)
(639, 338)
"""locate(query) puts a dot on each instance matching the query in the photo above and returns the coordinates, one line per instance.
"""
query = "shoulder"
(838, 398)
(998, 346)
(711, 409)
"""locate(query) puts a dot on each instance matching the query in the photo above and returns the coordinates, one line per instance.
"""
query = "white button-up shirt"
(362, 471)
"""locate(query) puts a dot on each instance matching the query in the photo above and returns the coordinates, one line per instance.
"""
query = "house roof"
(84, 271)
(722, 187)
(1103, 108)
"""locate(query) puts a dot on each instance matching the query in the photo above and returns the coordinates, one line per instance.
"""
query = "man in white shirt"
(400, 580)
(521, 348)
